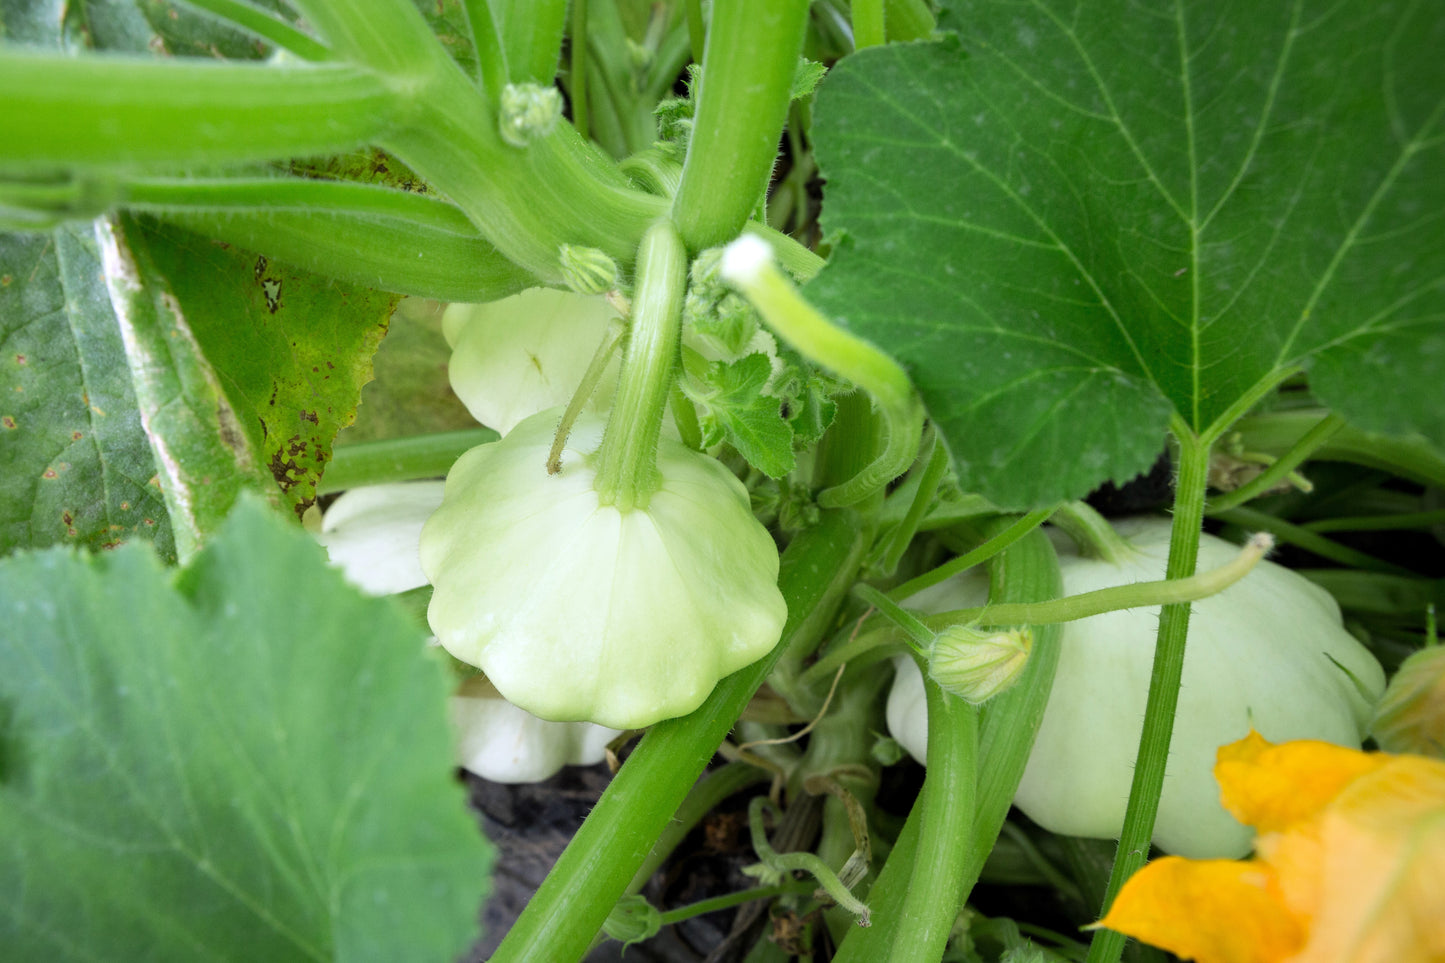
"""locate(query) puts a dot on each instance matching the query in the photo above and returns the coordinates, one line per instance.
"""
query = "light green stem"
(398, 459)
(1150, 764)
(491, 58)
(1312, 441)
(977, 556)
(934, 468)
(595, 369)
(921, 635)
(1309, 541)
(747, 79)
(390, 36)
(267, 26)
(1172, 593)
(867, 23)
(129, 111)
(908, 20)
(532, 31)
(936, 888)
(577, 71)
(729, 900)
(390, 240)
(627, 472)
(1092, 533)
(1378, 523)
(1279, 431)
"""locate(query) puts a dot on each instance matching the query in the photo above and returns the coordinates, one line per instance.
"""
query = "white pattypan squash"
(498, 741)
(576, 610)
(371, 533)
(524, 354)
(1265, 653)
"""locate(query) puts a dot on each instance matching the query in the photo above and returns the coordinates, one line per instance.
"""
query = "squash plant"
(1054, 241)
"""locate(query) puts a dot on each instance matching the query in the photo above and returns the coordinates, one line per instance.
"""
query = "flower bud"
(976, 664)
(1411, 714)
(528, 112)
(587, 270)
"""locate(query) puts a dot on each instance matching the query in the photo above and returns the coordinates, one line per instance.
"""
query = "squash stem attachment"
(627, 473)
(747, 264)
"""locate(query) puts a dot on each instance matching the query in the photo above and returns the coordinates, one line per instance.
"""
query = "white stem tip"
(744, 260)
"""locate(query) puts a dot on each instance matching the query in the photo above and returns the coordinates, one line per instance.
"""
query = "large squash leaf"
(75, 465)
(1081, 219)
(244, 761)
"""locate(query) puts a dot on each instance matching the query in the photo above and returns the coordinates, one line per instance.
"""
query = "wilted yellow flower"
(1349, 863)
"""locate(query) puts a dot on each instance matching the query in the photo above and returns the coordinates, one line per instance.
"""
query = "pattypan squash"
(578, 610)
(498, 741)
(524, 354)
(371, 533)
(1270, 653)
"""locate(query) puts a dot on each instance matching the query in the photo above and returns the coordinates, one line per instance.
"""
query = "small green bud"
(1411, 714)
(587, 270)
(977, 665)
(632, 920)
(528, 112)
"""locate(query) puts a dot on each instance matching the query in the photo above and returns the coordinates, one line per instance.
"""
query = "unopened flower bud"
(587, 270)
(528, 112)
(1411, 714)
(976, 664)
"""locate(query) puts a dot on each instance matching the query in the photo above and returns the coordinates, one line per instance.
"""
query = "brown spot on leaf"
(76, 435)
(49, 474)
(125, 506)
(311, 417)
(149, 521)
(6, 280)
(21, 359)
(7, 421)
(67, 518)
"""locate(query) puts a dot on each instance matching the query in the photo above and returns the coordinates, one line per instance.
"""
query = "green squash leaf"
(248, 761)
(75, 466)
(292, 349)
(1077, 221)
(736, 409)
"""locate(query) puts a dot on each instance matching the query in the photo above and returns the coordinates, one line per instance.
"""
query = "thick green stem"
(1149, 767)
(945, 841)
(627, 472)
(1027, 571)
(527, 202)
(390, 36)
(908, 20)
(558, 924)
(491, 58)
(398, 459)
(386, 239)
(867, 23)
(747, 79)
(129, 111)
(532, 31)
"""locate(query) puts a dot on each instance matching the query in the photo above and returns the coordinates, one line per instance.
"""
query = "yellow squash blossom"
(1349, 863)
